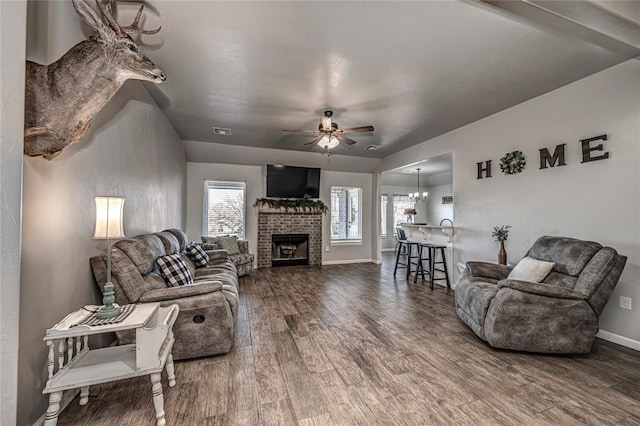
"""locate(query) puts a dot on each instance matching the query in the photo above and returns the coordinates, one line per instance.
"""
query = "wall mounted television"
(293, 182)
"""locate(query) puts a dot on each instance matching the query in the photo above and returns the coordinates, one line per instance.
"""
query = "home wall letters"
(557, 159)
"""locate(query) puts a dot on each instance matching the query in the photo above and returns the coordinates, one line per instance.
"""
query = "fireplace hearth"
(289, 249)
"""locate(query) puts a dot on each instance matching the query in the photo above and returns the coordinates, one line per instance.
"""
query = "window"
(346, 213)
(383, 214)
(224, 208)
(401, 202)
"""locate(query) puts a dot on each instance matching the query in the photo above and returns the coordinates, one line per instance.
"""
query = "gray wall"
(254, 177)
(132, 151)
(12, 31)
(597, 201)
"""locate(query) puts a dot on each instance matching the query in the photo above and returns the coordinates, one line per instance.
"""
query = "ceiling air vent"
(221, 131)
(373, 147)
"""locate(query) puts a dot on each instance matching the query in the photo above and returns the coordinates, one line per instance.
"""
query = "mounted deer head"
(62, 98)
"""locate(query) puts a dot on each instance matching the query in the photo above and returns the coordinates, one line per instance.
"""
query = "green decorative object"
(230, 244)
(501, 233)
(292, 204)
(512, 163)
(108, 297)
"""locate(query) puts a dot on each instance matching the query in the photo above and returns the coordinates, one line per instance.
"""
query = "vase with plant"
(501, 234)
(410, 213)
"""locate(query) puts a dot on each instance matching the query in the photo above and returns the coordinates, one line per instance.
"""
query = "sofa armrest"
(541, 289)
(217, 257)
(488, 270)
(169, 293)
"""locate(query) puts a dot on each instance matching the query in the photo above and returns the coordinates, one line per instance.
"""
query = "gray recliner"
(558, 315)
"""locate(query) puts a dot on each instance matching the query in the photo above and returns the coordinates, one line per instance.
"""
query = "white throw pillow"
(530, 269)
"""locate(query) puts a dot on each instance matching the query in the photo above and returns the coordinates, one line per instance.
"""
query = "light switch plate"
(625, 303)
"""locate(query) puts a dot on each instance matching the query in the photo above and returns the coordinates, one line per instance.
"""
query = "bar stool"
(425, 253)
(401, 237)
(434, 255)
(408, 255)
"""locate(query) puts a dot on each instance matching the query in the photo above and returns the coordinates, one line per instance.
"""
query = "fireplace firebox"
(289, 249)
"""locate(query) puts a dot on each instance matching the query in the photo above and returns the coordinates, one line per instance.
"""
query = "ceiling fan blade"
(357, 129)
(313, 132)
(315, 141)
(343, 139)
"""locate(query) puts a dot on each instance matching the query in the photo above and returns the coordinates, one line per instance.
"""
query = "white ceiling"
(413, 70)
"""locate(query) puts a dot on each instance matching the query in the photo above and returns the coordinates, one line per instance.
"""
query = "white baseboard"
(620, 340)
(343, 262)
(67, 397)
(388, 249)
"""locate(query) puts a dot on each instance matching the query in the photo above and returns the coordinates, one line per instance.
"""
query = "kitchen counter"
(426, 230)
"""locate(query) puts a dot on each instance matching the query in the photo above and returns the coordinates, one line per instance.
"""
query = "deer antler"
(108, 8)
(135, 28)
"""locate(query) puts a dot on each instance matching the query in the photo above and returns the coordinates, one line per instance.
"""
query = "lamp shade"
(109, 223)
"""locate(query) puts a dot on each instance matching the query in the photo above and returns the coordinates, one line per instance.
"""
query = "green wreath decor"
(512, 163)
(292, 204)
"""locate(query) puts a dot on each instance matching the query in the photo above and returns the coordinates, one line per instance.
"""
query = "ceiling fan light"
(333, 142)
(324, 142)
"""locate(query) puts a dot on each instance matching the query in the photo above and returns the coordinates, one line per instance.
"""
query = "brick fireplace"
(279, 223)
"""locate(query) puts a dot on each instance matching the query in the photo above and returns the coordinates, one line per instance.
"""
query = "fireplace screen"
(289, 249)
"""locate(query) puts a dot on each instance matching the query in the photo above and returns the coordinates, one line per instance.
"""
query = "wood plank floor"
(350, 345)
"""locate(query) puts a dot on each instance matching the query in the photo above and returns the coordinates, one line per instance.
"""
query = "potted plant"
(501, 234)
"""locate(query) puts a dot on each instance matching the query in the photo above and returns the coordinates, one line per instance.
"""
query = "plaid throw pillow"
(174, 270)
(197, 254)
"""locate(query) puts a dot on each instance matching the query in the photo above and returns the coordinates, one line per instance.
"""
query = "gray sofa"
(558, 315)
(242, 260)
(208, 308)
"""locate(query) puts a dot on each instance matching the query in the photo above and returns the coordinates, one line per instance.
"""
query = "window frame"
(393, 206)
(348, 240)
(384, 206)
(230, 184)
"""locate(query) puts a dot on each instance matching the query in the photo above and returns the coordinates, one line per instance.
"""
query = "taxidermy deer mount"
(62, 98)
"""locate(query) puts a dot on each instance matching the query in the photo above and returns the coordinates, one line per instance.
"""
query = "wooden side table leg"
(51, 417)
(171, 375)
(158, 399)
(84, 395)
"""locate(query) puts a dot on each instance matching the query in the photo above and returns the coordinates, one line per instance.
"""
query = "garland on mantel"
(294, 204)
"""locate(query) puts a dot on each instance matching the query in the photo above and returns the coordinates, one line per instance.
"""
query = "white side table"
(79, 366)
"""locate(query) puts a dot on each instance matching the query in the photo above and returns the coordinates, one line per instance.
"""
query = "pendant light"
(417, 196)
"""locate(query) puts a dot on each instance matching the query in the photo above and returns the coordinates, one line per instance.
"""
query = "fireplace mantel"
(285, 210)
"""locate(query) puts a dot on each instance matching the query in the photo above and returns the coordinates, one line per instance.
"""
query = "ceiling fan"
(329, 136)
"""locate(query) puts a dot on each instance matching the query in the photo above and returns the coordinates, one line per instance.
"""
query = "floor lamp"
(109, 225)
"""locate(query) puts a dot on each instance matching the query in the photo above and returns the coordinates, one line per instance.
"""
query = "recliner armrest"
(488, 270)
(169, 293)
(541, 289)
